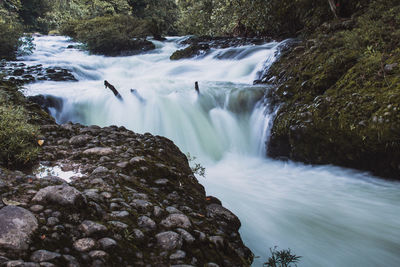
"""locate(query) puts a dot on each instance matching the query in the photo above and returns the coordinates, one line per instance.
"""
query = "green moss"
(340, 105)
(110, 35)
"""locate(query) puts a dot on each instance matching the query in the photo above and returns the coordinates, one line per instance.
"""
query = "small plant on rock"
(197, 168)
(281, 258)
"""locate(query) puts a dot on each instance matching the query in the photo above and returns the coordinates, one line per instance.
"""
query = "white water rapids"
(328, 215)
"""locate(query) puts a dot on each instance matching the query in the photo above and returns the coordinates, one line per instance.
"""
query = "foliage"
(257, 17)
(9, 39)
(281, 258)
(109, 35)
(197, 168)
(18, 148)
(338, 94)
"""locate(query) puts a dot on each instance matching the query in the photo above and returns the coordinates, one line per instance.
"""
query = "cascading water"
(328, 215)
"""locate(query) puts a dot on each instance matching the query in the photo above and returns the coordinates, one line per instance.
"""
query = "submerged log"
(196, 87)
(135, 93)
(112, 88)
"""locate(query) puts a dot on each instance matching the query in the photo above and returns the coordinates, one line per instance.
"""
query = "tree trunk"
(333, 7)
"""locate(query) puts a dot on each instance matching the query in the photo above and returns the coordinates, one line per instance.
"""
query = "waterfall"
(330, 216)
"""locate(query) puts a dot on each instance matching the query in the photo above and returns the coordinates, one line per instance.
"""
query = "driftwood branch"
(196, 87)
(332, 4)
(112, 88)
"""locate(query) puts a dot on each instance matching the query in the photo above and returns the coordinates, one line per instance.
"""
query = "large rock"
(176, 220)
(169, 240)
(92, 228)
(218, 212)
(98, 151)
(61, 195)
(17, 225)
(44, 255)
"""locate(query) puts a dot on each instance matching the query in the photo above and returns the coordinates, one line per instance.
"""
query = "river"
(330, 216)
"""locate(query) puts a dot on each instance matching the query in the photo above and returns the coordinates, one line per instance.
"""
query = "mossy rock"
(190, 51)
(339, 95)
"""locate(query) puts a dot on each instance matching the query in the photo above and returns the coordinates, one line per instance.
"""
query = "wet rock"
(107, 243)
(100, 169)
(220, 213)
(172, 210)
(146, 222)
(98, 151)
(138, 234)
(90, 228)
(36, 208)
(119, 225)
(79, 140)
(61, 195)
(17, 226)
(119, 214)
(186, 236)
(176, 221)
(178, 255)
(98, 254)
(84, 244)
(44, 255)
(169, 240)
(141, 204)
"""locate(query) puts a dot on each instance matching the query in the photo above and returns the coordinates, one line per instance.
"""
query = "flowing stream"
(328, 215)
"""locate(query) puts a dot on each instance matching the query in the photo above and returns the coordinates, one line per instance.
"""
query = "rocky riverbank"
(338, 92)
(125, 199)
(202, 45)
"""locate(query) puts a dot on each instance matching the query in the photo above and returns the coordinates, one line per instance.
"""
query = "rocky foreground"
(137, 203)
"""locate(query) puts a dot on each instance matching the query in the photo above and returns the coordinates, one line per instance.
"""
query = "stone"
(84, 244)
(146, 222)
(107, 243)
(98, 254)
(36, 208)
(51, 221)
(218, 212)
(186, 236)
(161, 181)
(218, 241)
(176, 221)
(118, 224)
(79, 140)
(119, 214)
(17, 226)
(44, 255)
(157, 211)
(100, 169)
(178, 255)
(138, 234)
(390, 67)
(169, 240)
(137, 160)
(90, 228)
(141, 204)
(64, 195)
(20, 263)
(98, 151)
(172, 210)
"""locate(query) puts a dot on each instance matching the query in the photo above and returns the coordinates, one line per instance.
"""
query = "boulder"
(60, 195)
(169, 240)
(17, 225)
(176, 220)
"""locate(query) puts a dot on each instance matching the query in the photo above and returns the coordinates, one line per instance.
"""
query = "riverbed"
(330, 216)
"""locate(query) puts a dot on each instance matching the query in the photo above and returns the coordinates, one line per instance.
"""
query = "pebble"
(84, 244)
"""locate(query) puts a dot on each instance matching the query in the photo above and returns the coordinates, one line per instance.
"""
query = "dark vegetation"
(339, 92)
(19, 131)
(281, 258)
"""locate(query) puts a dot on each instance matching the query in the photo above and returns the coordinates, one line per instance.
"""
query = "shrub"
(9, 39)
(110, 35)
(18, 147)
(281, 258)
